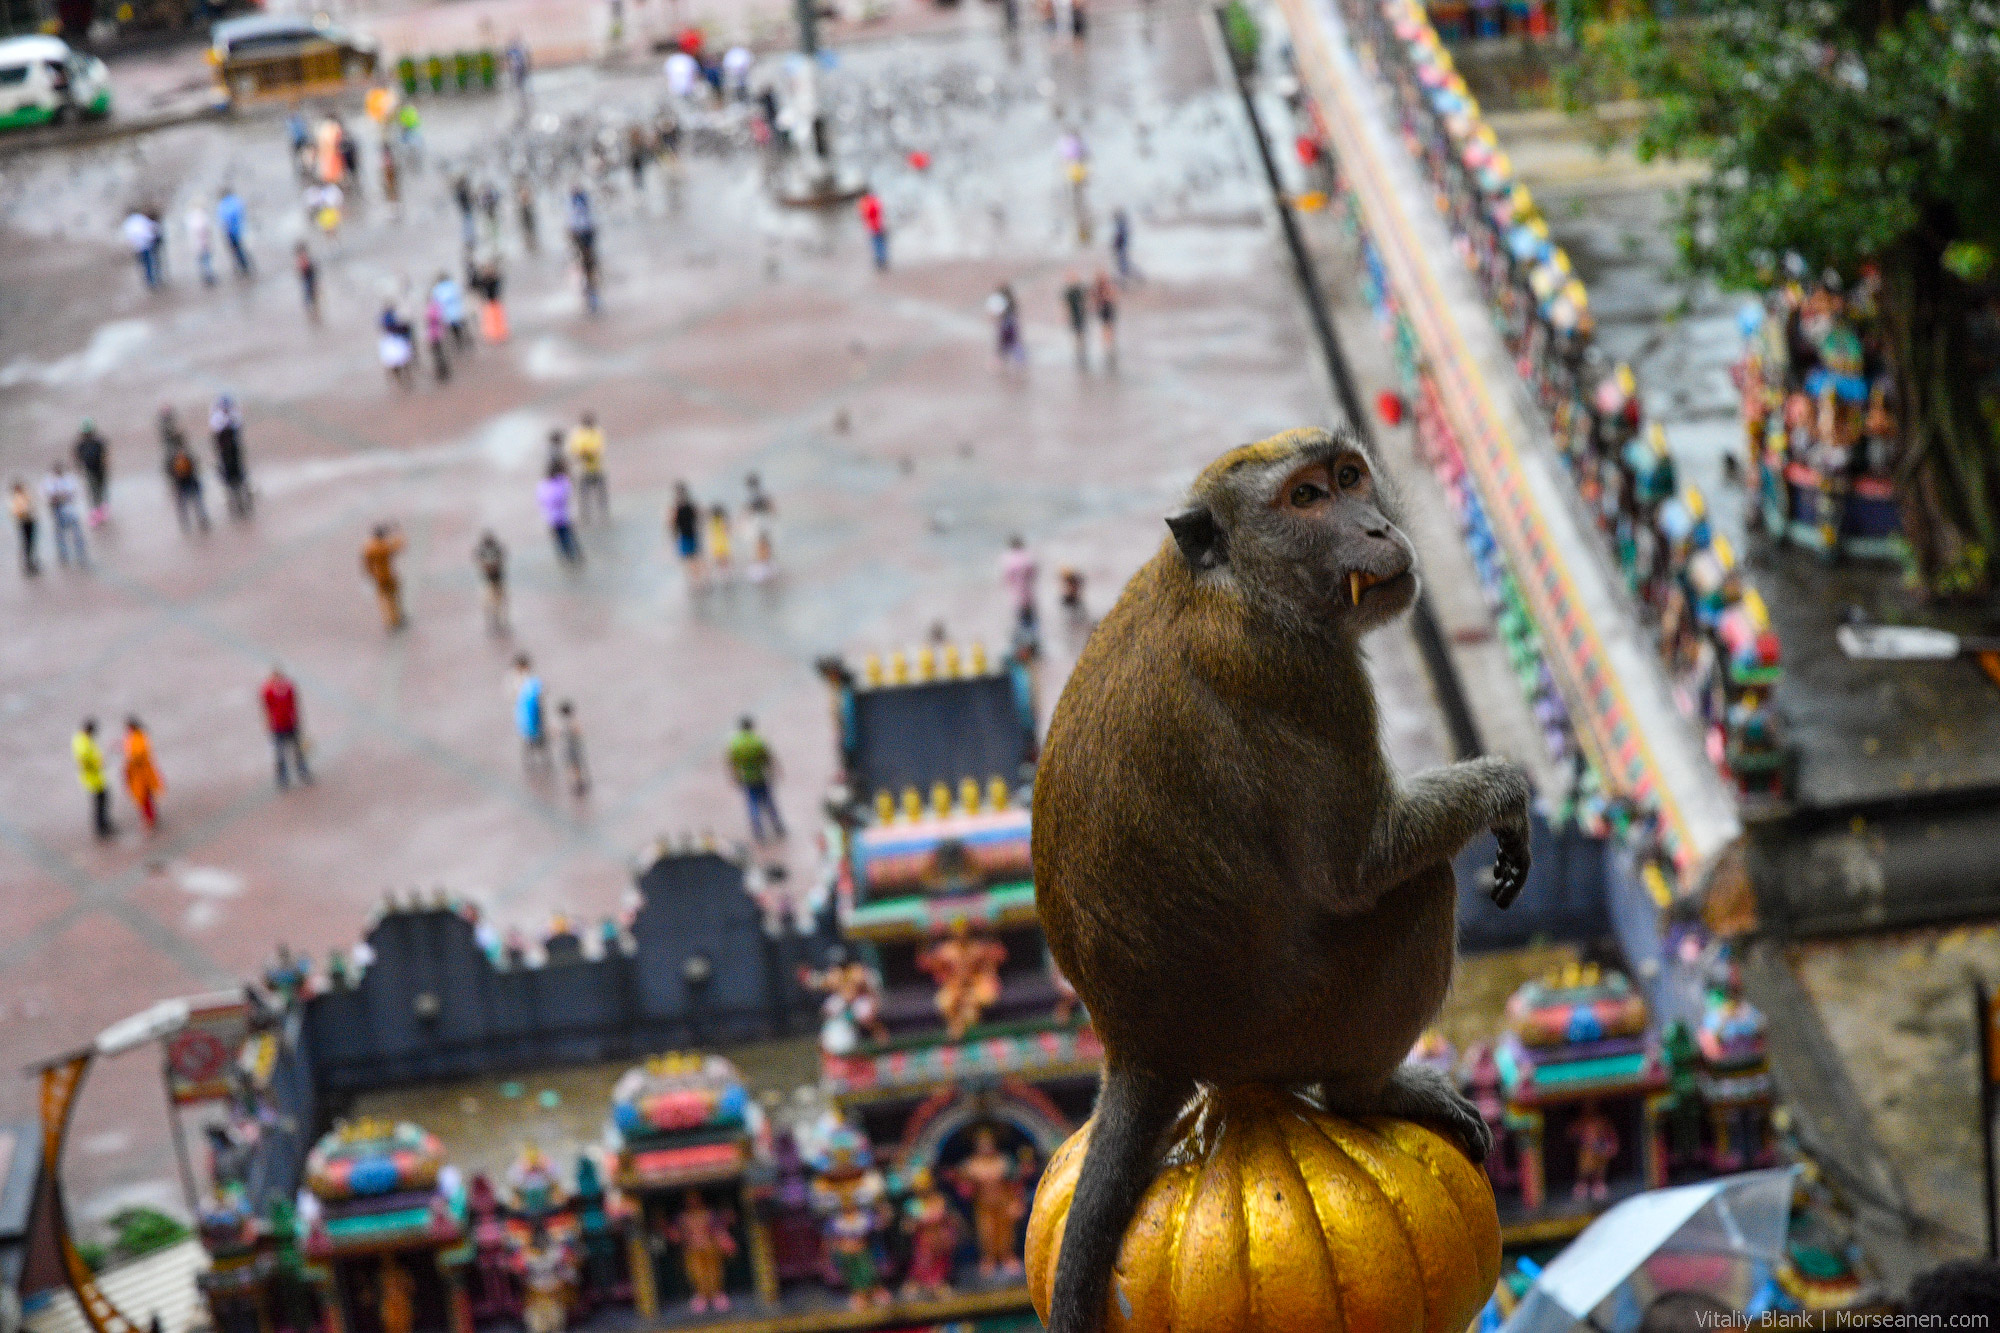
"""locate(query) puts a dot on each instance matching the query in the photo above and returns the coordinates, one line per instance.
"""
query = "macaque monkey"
(1226, 866)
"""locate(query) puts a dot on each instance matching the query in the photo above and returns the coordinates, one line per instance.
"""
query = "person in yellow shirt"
(90, 772)
(586, 450)
(718, 542)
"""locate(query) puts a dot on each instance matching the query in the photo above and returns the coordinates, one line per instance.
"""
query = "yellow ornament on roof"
(1272, 1216)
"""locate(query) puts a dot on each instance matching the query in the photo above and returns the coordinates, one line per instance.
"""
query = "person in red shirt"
(878, 230)
(281, 713)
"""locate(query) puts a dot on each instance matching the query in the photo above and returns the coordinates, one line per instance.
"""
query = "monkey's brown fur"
(1225, 863)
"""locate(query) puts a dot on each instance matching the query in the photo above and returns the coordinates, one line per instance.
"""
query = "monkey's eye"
(1306, 494)
(1349, 477)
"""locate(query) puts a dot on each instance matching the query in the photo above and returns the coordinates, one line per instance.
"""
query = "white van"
(42, 80)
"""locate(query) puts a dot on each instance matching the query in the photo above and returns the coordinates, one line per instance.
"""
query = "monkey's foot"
(1510, 866)
(1418, 1092)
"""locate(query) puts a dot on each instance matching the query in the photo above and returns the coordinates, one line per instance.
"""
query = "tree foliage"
(136, 1232)
(1854, 134)
(1243, 32)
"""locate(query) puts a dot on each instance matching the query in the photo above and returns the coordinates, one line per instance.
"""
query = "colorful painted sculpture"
(1596, 1146)
(492, 1293)
(933, 1229)
(681, 1122)
(850, 1243)
(678, 1092)
(992, 1183)
(706, 1245)
(396, 1302)
(847, 1192)
(853, 1003)
(546, 1276)
(966, 968)
(1734, 1076)
(533, 1183)
(843, 1166)
(1576, 1004)
(373, 1157)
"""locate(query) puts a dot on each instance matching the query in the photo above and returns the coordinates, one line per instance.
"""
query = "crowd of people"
(70, 508)
(707, 540)
(427, 330)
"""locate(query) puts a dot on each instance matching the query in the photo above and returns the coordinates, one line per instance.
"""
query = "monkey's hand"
(1510, 866)
(1418, 1092)
(1510, 831)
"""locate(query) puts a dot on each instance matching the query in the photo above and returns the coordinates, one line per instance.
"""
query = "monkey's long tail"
(1133, 1110)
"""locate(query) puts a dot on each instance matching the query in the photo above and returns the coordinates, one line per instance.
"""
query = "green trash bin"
(461, 70)
(434, 73)
(406, 76)
(489, 70)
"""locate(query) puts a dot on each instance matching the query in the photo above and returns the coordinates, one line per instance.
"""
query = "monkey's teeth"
(1354, 586)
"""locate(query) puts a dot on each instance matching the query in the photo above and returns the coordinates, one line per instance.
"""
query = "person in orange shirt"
(378, 562)
(142, 776)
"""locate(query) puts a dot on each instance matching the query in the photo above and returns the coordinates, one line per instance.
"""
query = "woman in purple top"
(555, 495)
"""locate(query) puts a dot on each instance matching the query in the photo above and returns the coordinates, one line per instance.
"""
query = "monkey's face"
(1308, 538)
(1333, 549)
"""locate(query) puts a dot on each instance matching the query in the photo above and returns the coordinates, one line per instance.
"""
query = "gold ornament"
(1272, 1216)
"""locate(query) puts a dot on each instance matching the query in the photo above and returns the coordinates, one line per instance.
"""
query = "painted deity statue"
(1596, 1145)
(933, 1230)
(992, 1183)
(545, 1275)
(853, 1003)
(850, 1241)
(966, 968)
(537, 1189)
(847, 1192)
(494, 1291)
(706, 1245)
(398, 1302)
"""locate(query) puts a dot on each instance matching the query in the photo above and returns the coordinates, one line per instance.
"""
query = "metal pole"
(1982, 1026)
(180, 1145)
(1429, 634)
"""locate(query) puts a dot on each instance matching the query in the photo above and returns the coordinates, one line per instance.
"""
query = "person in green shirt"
(751, 764)
(90, 772)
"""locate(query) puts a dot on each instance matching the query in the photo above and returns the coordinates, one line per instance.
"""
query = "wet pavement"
(736, 336)
(1898, 1010)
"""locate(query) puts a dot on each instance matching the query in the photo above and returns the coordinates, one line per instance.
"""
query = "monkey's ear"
(1199, 536)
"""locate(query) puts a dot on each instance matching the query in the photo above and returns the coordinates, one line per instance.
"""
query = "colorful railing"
(1690, 819)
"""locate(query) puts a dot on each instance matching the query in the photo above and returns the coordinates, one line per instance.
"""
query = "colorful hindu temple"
(693, 1153)
(386, 1233)
(950, 1045)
